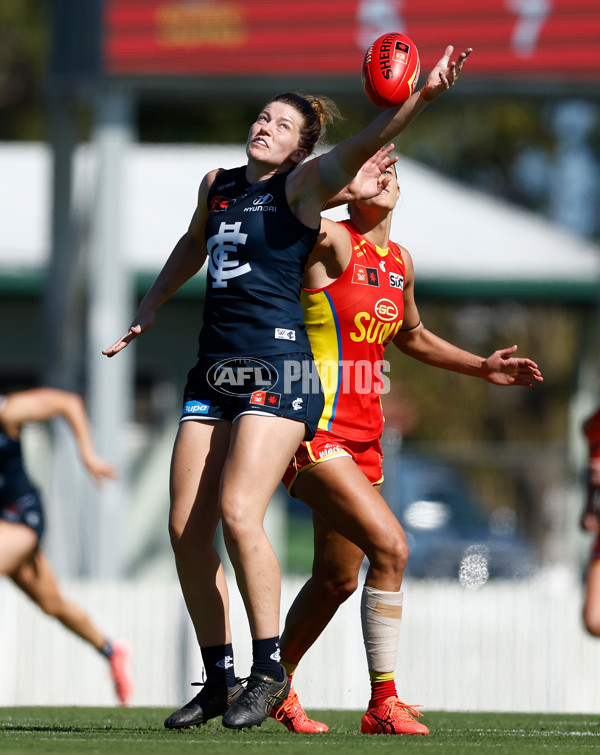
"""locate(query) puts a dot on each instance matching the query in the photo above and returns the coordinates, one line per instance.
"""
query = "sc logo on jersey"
(242, 377)
(386, 310)
(397, 281)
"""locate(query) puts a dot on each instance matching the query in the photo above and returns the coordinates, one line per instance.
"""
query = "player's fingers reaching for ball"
(456, 67)
(462, 58)
(444, 74)
(445, 59)
(452, 69)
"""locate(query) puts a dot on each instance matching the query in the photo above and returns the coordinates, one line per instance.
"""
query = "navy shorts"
(284, 385)
(25, 510)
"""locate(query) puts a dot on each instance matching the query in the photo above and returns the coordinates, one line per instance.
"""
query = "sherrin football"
(390, 69)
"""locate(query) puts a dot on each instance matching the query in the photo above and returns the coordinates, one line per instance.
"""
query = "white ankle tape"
(381, 613)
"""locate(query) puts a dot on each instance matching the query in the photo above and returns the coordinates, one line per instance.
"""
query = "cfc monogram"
(219, 247)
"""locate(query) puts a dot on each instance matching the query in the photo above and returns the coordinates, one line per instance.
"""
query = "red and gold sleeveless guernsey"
(349, 324)
(591, 429)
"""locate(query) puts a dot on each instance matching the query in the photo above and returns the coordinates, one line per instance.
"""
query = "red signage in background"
(533, 40)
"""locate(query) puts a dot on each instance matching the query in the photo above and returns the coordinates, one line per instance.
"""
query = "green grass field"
(106, 731)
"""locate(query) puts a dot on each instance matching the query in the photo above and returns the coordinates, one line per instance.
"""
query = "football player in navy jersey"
(22, 518)
(254, 393)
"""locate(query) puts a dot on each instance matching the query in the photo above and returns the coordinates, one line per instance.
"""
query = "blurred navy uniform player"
(22, 518)
(256, 226)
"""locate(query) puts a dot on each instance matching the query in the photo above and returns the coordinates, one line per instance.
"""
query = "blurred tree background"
(23, 55)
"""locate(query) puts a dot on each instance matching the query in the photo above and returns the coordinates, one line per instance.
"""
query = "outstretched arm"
(185, 260)
(43, 404)
(501, 368)
(343, 162)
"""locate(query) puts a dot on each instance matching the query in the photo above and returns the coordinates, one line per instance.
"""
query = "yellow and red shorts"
(324, 446)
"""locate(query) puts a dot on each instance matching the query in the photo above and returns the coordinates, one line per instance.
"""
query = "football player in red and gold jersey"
(590, 521)
(358, 297)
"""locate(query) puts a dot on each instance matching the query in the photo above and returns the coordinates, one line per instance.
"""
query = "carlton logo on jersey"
(219, 247)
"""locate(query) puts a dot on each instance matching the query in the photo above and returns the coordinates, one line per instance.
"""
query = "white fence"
(505, 647)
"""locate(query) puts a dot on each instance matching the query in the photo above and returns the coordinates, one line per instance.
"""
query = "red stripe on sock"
(380, 691)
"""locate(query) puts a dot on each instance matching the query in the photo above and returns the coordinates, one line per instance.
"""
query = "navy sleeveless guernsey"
(257, 251)
(14, 482)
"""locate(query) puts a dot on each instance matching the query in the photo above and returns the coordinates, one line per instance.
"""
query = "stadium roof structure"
(464, 244)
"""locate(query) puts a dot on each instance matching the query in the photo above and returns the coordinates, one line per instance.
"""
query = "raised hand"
(503, 369)
(444, 74)
(371, 179)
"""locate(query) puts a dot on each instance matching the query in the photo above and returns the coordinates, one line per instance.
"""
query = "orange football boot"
(392, 717)
(293, 716)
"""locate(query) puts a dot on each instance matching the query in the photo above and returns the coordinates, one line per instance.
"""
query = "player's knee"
(235, 533)
(239, 523)
(395, 553)
(341, 588)
(402, 552)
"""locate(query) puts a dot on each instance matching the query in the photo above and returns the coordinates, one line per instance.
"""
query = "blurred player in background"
(358, 297)
(22, 518)
(257, 225)
(590, 521)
